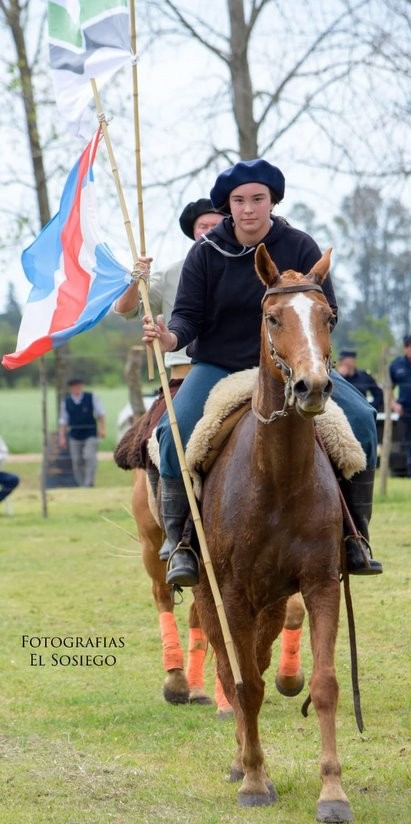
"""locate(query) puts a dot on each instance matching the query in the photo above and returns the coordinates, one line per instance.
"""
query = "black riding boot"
(358, 494)
(182, 566)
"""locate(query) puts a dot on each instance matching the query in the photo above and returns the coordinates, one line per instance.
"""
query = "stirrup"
(183, 576)
(369, 565)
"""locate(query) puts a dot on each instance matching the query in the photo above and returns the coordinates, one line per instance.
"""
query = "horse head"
(295, 332)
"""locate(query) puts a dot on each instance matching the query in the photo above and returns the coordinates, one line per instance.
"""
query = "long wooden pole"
(170, 408)
(44, 426)
(137, 152)
(137, 143)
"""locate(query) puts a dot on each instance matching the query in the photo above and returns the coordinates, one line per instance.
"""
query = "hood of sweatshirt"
(223, 239)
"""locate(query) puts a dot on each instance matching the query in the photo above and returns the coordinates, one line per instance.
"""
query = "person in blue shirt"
(217, 315)
(400, 374)
(362, 380)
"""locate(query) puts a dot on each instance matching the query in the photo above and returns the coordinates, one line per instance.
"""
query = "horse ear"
(265, 267)
(320, 269)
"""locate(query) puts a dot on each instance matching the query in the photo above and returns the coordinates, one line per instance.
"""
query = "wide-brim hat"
(192, 211)
(247, 171)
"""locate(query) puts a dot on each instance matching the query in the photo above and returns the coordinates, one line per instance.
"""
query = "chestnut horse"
(186, 684)
(273, 523)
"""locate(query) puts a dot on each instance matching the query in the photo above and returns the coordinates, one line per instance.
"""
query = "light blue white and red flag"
(75, 277)
(87, 39)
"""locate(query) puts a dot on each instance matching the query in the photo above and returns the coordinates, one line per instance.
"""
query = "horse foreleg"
(175, 688)
(289, 678)
(256, 788)
(197, 646)
(246, 699)
(323, 608)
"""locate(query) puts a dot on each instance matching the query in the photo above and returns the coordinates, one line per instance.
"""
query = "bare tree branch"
(348, 54)
(194, 33)
(294, 71)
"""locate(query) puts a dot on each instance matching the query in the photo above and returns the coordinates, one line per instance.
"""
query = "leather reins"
(348, 600)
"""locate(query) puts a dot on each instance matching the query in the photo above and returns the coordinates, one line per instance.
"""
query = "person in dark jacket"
(82, 419)
(217, 315)
(400, 374)
(362, 380)
(8, 480)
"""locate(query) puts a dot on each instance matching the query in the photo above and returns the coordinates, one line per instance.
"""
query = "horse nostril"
(300, 388)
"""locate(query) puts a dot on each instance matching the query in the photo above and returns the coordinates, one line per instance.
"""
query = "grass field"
(91, 744)
(21, 425)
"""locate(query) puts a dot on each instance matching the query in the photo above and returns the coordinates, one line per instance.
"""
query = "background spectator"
(362, 380)
(82, 420)
(8, 481)
(400, 374)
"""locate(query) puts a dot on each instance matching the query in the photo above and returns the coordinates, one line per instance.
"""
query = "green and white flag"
(87, 39)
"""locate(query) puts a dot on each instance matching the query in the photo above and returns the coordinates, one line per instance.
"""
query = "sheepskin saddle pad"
(229, 399)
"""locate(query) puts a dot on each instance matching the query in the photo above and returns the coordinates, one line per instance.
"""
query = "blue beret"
(247, 171)
(406, 340)
(347, 353)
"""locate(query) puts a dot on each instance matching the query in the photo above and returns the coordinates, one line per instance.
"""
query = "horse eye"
(272, 320)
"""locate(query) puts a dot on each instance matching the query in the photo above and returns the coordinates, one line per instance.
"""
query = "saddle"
(230, 399)
(218, 440)
(131, 451)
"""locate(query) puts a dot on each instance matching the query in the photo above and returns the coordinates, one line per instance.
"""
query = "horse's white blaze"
(303, 307)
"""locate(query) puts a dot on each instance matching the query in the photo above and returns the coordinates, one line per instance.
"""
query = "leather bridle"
(279, 362)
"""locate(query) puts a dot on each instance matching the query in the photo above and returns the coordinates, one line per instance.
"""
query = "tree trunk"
(36, 153)
(132, 374)
(44, 424)
(241, 87)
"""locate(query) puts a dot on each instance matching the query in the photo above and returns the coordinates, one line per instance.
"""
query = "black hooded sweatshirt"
(217, 310)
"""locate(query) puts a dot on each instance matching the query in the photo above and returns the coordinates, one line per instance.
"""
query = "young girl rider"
(217, 315)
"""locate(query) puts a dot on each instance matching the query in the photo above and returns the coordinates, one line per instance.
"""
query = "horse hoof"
(256, 799)
(334, 812)
(236, 775)
(175, 688)
(175, 697)
(290, 685)
(272, 791)
(223, 714)
(198, 696)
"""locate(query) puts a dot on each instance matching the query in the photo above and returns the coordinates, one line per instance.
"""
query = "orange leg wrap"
(197, 645)
(172, 653)
(290, 659)
(219, 696)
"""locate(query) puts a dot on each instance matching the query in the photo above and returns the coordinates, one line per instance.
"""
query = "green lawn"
(90, 744)
(21, 416)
